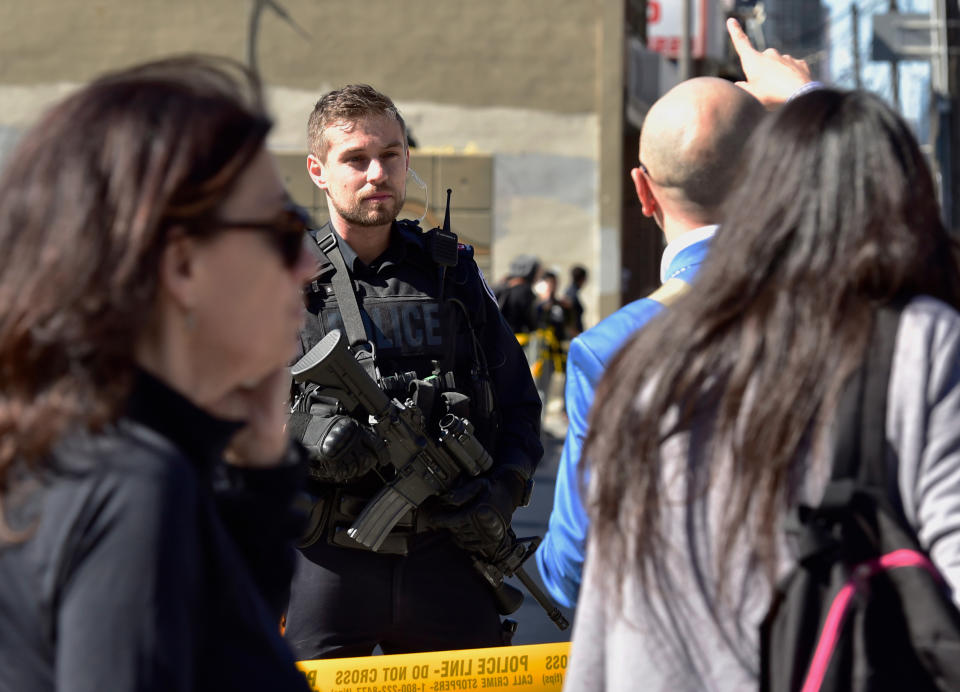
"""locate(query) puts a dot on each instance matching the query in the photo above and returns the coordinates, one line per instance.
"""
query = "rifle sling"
(360, 344)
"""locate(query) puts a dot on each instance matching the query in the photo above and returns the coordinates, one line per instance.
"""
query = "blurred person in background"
(515, 296)
(571, 299)
(716, 419)
(551, 314)
(150, 284)
(551, 335)
(518, 304)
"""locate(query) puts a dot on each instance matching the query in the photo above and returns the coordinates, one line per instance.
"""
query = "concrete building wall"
(536, 54)
(517, 83)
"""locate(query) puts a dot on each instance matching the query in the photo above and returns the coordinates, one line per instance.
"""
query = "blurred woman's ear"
(177, 269)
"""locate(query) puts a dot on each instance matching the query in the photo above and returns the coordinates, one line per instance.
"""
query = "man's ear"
(648, 201)
(178, 269)
(316, 171)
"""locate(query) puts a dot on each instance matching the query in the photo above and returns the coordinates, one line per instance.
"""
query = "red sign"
(665, 26)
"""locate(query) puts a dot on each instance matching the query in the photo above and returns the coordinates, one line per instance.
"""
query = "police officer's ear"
(316, 171)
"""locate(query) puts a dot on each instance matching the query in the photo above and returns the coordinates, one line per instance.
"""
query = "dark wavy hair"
(834, 215)
(86, 201)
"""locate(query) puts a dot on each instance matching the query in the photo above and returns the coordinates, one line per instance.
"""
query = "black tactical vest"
(413, 332)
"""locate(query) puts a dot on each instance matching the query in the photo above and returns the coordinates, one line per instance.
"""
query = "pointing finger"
(739, 39)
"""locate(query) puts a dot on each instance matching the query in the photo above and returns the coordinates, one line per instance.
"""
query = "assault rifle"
(424, 466)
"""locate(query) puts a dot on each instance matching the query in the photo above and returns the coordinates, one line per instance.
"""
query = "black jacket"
(518, 304)
(151, 564)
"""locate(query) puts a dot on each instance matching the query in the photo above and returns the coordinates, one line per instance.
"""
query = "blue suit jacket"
(561, 554)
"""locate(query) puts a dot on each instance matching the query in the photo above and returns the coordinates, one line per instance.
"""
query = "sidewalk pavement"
(534, 625)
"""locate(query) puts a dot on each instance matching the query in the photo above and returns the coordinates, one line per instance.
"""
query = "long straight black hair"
(834, 215)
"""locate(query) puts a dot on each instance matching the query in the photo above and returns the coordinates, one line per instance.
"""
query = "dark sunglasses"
(285, 233)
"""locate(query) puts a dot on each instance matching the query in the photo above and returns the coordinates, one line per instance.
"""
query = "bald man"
(690, 148)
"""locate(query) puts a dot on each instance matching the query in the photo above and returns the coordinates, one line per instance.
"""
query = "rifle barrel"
(542, 599)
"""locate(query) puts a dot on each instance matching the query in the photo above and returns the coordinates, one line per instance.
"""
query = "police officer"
(426, 313)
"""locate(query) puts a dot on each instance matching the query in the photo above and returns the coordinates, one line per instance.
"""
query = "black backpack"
(864, 608)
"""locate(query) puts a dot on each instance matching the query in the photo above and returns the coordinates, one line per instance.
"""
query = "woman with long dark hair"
(716, 418)
(150, 280)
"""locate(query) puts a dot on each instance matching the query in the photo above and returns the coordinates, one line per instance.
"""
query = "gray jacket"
(713, 645)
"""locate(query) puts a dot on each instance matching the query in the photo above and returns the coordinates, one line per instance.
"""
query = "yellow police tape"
(532, 668)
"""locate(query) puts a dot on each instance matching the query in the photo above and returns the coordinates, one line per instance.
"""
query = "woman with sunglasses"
(150, 297)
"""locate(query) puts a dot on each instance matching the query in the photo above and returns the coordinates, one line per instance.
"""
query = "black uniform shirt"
(151, 565)
(413, 330)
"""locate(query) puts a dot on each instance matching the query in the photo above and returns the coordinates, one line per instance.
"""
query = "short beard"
(357, 217)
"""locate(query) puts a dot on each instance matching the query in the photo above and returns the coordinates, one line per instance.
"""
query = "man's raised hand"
(772, 78)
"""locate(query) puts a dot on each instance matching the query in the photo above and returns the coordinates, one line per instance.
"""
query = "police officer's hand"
(478, 513)
(342, 449)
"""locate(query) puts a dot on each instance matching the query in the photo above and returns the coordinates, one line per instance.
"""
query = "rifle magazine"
(379, 517)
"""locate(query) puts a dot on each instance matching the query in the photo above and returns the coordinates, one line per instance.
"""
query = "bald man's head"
(692, 138)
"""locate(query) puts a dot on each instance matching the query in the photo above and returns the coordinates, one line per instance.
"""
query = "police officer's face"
(364, 172)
